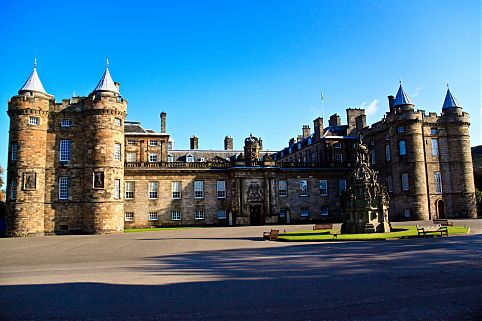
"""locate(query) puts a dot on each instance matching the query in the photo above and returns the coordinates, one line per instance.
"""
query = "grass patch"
(151, 229)
(324, 235)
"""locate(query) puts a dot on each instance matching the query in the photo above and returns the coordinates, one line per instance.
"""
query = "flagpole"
(322, 106)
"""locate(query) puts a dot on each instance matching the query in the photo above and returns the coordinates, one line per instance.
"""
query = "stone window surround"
(65, 123)
(131, 142)
(153, 216)
(129, 189)
(13, 190)
(388, 152)
(176, 215)
(117, 189)
(118, 121)
(153, 190)
(304, 212)
(435, 151)
(405, 182)
(14, 151)
(323, 187)
(34, 121)
(402, 148)
(324, 211)
(341, 185)
(390, 183)
(153, 158)
(438, 182)
(220, 189)
(153, 143)
(129, 216)
(176, 190)
(131, 157)
(221, 214)
(303, 187)
(64, 147)
(282, 188)
(117, 151)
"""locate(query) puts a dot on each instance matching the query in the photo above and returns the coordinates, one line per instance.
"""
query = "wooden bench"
(432, 229)
(272, 235)
(335, 230)
(442, 222)
(318, 227)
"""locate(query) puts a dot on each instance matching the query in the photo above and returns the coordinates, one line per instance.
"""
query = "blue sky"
(241, 67)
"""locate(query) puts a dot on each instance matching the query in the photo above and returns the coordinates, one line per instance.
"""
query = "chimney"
(361, 122)
(306, 131)
(299, 138)
(351, 116)
(228, 143)
(117, 85)
(194, 142)
(335, 120)
(318, 127)
(291, 142)
(260, 143)
(390, 102)
(163, 122)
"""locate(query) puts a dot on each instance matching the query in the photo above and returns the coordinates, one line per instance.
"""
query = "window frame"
(325, 187)
(198, 193)
(64, 187)
(200, 216)
(153, 157)
(14, 152)
(153, 193)
(34, 121)
(65, 123)
(221, 193)
(129, 158)
(117, 151)
(324, 211)
(176, 188)
(130, 190)
(175, 215)
(390, 183)
(341, 186)
(153, 142)
(405, 182)
(435, 147)
(438, 182)
(128, 217)
(13, 190)
(219, 216)
(118, 121)
(65, 150)
(117, 189)
(303, 184)
(304, 212)
(282, 192)
(153, 216)
(388, 152)
(400, 148)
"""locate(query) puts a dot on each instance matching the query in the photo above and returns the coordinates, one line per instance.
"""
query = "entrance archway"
(440, 209)
(255, 216)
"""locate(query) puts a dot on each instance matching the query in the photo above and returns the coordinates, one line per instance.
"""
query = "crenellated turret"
(28, 112)
(104, 157)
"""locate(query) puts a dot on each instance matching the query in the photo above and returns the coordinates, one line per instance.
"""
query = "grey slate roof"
(402, 98)
(133, 127)
(450, 100)
(33, 82)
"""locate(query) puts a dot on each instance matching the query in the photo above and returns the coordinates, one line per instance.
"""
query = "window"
(373, 156)
(303, 187)
(372, 143)
(341, 185)
(282, 212)
(401, 130)
(117, 189)
(221, 189)
(131, 157)
(13, 190)
(402, 148)
(176, 190)
(407, 213)
(405, 186)
(438, 183)
(118, 121)
(130, 188)
(434, 147)
(153, 216)
(433, 131)
(221, 214)
(176, 215)
(388, 153)
(282, 188)
(199, 215)
(14, 151)
(170, 159)
(338, 158)
(189, 158)
(153, 188)
(131, 142)
(337, 145)
(390, 183)
(152, 157)
(33, 121)
(64, 150)
(64, 186)
(153, 143)
(323, 187)
(309, 140)
(129, 216)
(313, 157)
(304, 212)
(117, 151)
(64, 123)
(198, 189)
(324, 210)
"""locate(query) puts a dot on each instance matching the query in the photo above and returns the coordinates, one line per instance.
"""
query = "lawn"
(324, 235)
(151, 229)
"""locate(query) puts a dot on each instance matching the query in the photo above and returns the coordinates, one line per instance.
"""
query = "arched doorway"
(440, 209)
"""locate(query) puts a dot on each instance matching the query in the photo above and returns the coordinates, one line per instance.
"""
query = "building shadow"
(424, 279)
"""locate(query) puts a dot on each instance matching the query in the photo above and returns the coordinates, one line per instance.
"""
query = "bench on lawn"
(336, 230)
(318, 227)
(432, 229)
(272, 235)
(442, 221)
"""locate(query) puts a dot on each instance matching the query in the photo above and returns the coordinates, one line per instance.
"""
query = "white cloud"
(371, 108)
(418, 91)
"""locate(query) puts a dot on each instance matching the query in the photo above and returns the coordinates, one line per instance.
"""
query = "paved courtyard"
(231, 274)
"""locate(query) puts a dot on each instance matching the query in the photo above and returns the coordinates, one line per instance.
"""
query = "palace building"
(78, 166)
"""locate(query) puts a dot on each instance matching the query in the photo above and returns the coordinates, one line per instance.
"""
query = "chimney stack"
(318, 127)
(260, 142)
(194, 142)
(306, 131)
(163, 122)
(335, 120)
(228, 143)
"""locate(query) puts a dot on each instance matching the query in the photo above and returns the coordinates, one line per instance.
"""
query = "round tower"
(407, 131)
(459, 191)
(104, 158)
(28, 112)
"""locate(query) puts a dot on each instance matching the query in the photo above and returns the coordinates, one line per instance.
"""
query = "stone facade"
(78, 167)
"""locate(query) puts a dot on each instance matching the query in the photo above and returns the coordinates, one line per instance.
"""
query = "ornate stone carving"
(255, 192)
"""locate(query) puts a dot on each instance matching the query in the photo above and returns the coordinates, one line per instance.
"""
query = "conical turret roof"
(33, 82)
(450, 100)
(106, 83)
(402, 98)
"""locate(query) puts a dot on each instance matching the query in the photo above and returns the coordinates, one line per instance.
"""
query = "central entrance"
(255, 215)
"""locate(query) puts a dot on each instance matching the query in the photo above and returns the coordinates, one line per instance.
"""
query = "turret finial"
(106, 62)
(447, 84)
(35, 62)
(400, 80)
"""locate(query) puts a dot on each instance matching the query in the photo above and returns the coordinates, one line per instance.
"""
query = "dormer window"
(189, 158)
(65, 123)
